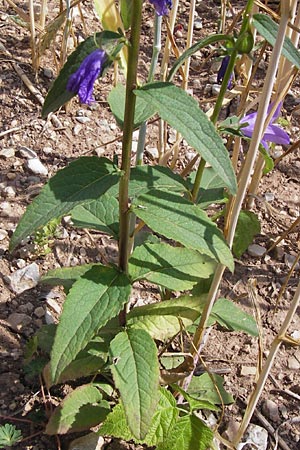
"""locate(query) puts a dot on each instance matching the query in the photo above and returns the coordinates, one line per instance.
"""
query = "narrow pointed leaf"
(66, 276)
(206, 388)
(248, 226)
(136, 374)
(92, 301)
(269, 30)
(231, 316)
(175, 268)
(83, 180)
(182, 112)
(176, 218)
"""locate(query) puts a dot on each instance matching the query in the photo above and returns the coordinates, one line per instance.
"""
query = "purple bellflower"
(273, 132)
(162, 6)
(82, 81)
(222, 71)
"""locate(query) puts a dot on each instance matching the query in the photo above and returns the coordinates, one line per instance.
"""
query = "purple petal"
(82, 81)
(250, 121)
(276, 112)
(276, 134)
(162, 6)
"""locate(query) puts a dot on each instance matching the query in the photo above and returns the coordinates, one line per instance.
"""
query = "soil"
(23, 401)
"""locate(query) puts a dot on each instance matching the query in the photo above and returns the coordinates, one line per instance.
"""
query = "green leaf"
(163, 420)
(248, 226)
(211, 188)
(82, 181)
(229, 315)
(175, 268)
(101, 214)
(136, 374)
(9, 435)
(195, 48)
(176, 218)
(182, 112)
(269, 162)
(94, 299)
(116, 99)
(189, 432)
(58, 94)
(204, 388)
(269, 31)
(80, 410)
(66, 276)
(165, 319)
(126, 11)
(194, 403)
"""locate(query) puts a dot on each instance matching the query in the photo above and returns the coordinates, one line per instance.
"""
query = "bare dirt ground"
(92, 131)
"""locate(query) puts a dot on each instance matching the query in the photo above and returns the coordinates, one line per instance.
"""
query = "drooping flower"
(222, 70)
(82, 81)
(162, 6)
(273, 131)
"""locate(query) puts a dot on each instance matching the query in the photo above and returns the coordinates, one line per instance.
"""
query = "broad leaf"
(204, 388)
(175, 268)
(136, 374)
(248, 226)
(211, 188)
(58, 94)
(182, 112)
(188, 433)
(66, 276)
(116, 99)
(101, 214)
(93, 300)
(195, 403)
(115, 425)
(269, 30)
(80, 410)
(176, 218)
(165, 319)
(82, 181)
(229, 315)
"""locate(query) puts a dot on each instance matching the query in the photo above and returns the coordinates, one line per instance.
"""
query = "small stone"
(3, 234)
(23, 279)
(277, 152)
(256, 250)
(18, 321)
(91, 441)
(255, 435)
(293, 363)
(135, 135)
(100, 151)
(248, 370)
(7, 152)
(48, 73)
(27, 153)
(39, 312)
(269, 196)
(198, 24)
(20, 263)
(77, 129)
(82, 119)
(270, 410)
(54, 305)
(295, 334)
(37, 167)
(215, 89)
(289, 260)
(113, 126)
(49, 319)
(153, 152)
(11, 176)
(231, 430)
(9, 192)
(47, 150)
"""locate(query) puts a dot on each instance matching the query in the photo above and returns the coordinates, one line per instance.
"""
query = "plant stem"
(127, 136)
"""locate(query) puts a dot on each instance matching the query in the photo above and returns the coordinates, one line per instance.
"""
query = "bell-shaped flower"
(162, 6)
(82, 81)
(222, 70)
(273, 132)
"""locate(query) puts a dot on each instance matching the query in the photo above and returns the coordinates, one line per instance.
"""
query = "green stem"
(198, 178)
(133, 52)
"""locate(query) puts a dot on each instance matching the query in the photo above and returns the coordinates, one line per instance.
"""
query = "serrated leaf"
(189, 432)
(176, 218)
(229, 315)
(115, 424)
(80, 410)
(165, 319)
(93, 300)
(182, 112)
(101, 214)
(135, 371)
(211, 188)
(204, 388)
(248, 226)
(66, 276)
(116, 99)
(82, 181)
(269, 31)
(58, 94)
(175, 268)
(9, 435)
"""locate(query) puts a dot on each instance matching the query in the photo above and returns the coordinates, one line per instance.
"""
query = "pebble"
(256, 250)
(198, 25)
(47, 150)
(27, 308)
(7, 152)
(39, 312)
(293, 363)
(270, 410)
(18, 321)
(49, 319)
(295, 334)
(23, 279)
(248, 370)
(3, 234)
(215, 89)
(27, 152)
(255, 435)
(289, 260)
(269, 196)
(77, 129)
(11, 176)
(82, 119)
(153, 152)
(48, 73)
(9, 192)
(37, 167)
(91, 441)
